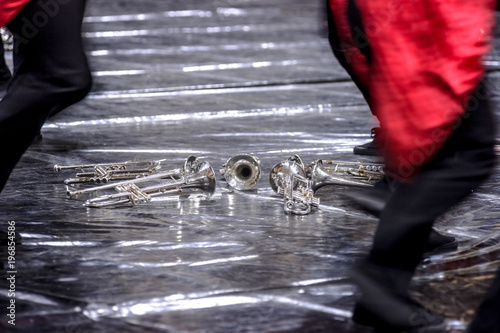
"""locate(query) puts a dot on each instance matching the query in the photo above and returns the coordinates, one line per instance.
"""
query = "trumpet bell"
(192, 164)
(201, 180)
(242, 171)
(296, 159)
(292, 166)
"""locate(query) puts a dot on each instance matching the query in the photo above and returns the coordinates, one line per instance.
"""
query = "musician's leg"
(465, 161)
(50, 73)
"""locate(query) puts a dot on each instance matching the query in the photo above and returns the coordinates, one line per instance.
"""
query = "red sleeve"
(9, 9)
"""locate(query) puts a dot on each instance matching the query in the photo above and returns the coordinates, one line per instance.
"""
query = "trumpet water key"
(104, 172)
(242, 171)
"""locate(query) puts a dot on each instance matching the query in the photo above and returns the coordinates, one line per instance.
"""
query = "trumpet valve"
(137, 195)
(300, 201)
(303, 195)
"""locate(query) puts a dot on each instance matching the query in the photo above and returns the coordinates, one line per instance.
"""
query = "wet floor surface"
(214, 79)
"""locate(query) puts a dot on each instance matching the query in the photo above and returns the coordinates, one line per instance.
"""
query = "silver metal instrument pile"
(137, 182)
(195, 176)
(297, 183)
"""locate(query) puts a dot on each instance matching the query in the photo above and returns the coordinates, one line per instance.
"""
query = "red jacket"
(9, 9)
(427, 58)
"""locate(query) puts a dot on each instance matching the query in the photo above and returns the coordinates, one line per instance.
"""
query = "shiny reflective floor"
(213, 79)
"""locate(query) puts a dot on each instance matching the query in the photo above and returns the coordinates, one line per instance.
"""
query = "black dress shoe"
(420, 321)
(367, 149)
(371, 148)
(385, 304)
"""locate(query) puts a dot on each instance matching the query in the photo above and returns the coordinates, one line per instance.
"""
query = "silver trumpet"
(102, 173)
(288, 178)
(195, 177)
(242, 171)
(354, 175)
(357, 171)
(278, 176)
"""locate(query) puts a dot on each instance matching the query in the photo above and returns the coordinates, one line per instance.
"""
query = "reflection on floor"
(213, 79)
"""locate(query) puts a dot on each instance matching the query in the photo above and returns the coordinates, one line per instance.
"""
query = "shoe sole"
(355, 327)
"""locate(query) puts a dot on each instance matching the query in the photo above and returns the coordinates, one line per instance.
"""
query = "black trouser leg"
(466, 160)
(50, 73)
